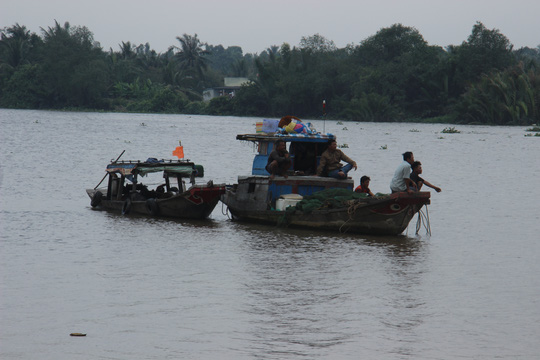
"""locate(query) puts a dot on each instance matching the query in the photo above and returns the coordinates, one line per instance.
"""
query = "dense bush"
(393, 75)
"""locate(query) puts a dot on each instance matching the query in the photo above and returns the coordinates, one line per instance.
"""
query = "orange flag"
(179, 152)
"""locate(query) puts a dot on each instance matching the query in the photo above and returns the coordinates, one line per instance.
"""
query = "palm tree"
(15, 43)
(57, 31)
(191, 55)
(127, 50)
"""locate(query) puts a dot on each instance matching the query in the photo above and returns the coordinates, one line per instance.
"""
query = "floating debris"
(450, 130)
(77, 334)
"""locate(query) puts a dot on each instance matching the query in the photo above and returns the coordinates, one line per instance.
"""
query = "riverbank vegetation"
(393, 75)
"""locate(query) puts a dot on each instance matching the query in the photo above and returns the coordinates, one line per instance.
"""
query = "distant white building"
(231, 84)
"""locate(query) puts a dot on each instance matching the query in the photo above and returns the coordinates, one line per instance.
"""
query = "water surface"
(166, 289)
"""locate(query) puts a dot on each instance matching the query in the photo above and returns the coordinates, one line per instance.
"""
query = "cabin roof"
(128, 167)
(318, 138)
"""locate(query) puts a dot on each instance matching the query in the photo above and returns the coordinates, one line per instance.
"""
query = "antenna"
(324, 115)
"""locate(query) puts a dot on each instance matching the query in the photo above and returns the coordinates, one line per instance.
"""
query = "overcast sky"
(258, 24)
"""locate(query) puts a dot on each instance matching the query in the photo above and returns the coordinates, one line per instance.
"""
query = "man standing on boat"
(402, 177)
(279, 160)
(330, 162)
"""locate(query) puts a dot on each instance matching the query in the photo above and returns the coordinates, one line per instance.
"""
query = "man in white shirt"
(402, 177)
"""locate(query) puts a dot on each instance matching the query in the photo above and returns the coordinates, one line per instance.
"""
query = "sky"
(255, 25)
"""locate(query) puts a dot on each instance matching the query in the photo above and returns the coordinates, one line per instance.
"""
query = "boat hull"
(197, 202)
(388, 215)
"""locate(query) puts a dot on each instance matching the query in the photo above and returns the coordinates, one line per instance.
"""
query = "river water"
(164, 289)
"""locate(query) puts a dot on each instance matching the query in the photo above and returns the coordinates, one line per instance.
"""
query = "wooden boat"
(260, 199)
(171, 198)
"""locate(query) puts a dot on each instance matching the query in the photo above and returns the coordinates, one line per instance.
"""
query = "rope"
(345, 223)
(350, 211)
(423, 219)
(428, 228)
(226, 212)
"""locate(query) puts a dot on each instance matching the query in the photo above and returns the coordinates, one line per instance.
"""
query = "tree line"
(393, 75)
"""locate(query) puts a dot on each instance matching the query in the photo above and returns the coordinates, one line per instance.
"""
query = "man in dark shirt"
(279, 160)
(415, 176)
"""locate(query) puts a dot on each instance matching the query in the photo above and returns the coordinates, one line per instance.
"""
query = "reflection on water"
(145, 288)
(139, 220)
(310, 294)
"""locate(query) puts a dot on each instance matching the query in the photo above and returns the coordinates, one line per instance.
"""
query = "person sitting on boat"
(402, 176)
(415, 177)
(364, 186)
(330, 162)
(279, 160)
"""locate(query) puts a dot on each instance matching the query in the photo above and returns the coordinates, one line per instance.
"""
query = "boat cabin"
(305, 151)
(124, 178)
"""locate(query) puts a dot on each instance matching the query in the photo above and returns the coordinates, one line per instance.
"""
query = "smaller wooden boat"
(170, 197)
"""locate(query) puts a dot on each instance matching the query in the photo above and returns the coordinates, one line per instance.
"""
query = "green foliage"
(196, 107)
(393, 75)
(397, 67)
(317, 43)
(370, 107)
(450, 130)
(229, 61)
(221, 106)
(510, 97)
(168, 100)
(251, 100)
(147, 97)
(389, 44)
(74, 69)
(25, 89)
(191, 60)
(17, 46)
(485, 51)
